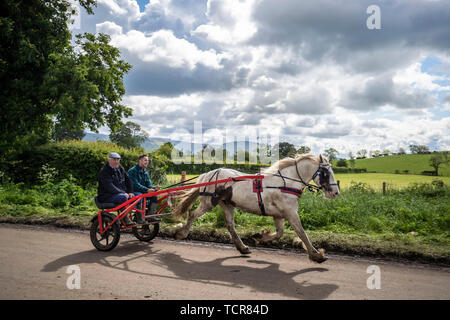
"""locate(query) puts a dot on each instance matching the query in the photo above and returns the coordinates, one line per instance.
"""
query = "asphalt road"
(45, 263)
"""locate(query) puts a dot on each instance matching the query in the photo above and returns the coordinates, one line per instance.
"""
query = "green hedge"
(205, 167)
(248, 168)
(80, 159)
(348, 170)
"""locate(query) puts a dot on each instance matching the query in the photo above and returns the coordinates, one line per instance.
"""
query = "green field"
(393, 181)
(414, 163)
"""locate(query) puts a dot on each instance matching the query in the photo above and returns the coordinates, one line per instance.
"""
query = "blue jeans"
(150, 200)
(117, 198)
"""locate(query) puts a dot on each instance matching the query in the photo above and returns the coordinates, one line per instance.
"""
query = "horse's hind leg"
(204, 207)
(266, 236)
(229, 220)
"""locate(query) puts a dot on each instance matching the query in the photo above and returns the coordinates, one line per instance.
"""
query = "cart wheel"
(110, 238)
(146, 232)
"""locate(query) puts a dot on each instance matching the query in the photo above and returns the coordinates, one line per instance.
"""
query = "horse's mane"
(287, 162)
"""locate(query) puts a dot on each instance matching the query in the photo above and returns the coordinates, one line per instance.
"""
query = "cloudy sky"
(310, 71)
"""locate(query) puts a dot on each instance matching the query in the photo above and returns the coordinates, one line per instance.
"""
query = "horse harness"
(224, 194)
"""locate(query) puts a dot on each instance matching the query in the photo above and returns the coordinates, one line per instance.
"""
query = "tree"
(61, 133)
(361, 154)
(342, 163)
(129, 136)
(303, 149)
(352, 159)
(47, 81)
(439, 159)
(92, 89)
(375, 153)
(165, 150)
(401, 151)
(285, 149)
(331, 154)
(419, 149)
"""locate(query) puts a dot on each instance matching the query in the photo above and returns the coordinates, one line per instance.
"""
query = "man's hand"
(154, 189)
(130, 195)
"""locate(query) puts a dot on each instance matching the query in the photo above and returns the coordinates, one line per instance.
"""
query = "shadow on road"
(268, 278)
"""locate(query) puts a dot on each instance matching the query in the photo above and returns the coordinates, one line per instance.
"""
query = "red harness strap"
(294, 191)
(257, 187)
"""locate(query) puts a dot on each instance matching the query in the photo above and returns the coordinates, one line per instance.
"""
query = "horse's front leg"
(228, 211)
(266, 236)
(314, 255)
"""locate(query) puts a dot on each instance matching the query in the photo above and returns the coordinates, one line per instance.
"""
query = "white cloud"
(163, 47)
(309, 74)
(113, 7)
(413, 76)
(109, 27)
(229, 22)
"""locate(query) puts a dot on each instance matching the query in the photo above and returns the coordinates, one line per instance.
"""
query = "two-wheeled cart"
(107, 224)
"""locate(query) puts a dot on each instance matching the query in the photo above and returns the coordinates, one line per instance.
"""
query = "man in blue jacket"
(114, 184)
(142, 184)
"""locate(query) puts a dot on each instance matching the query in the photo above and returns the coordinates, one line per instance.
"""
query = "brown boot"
(153, 211)
(138, 218)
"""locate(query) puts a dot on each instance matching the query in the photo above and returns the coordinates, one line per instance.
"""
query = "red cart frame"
(131, 205)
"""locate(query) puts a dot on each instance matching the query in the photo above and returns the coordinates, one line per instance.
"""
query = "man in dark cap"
(114, 184)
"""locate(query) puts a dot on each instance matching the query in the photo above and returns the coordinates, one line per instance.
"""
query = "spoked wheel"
(146, 232)
(109, 239)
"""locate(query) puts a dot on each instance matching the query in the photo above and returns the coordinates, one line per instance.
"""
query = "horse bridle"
(323, 171)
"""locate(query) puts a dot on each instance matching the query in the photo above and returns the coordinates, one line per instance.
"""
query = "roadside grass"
(411, 222)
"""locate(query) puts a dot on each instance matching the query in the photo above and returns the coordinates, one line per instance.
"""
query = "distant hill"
(150, 144)
(415, 163)
(153, 143)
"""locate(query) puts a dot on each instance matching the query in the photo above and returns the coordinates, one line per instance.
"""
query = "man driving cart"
(143, 184)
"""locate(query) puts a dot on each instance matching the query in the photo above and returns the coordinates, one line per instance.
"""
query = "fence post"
(183, 176)
(384, 188)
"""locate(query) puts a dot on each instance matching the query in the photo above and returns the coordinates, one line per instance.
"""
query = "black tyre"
(146, 232)
(110, 238)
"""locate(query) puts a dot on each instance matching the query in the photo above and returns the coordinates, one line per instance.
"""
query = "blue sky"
(142, 4)
(310, 72)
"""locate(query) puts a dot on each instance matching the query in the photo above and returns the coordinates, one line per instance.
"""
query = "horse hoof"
(245, 250)
(323, 259)
(179, 235)
(318, 259)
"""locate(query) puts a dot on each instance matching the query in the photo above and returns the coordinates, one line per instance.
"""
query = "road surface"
(46, 263)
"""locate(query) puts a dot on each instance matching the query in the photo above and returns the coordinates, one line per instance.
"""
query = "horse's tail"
(187, 199)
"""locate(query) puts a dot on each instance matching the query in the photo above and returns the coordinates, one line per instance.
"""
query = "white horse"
(276, 196)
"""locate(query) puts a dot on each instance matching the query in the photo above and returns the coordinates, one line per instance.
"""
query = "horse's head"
(324, 178)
